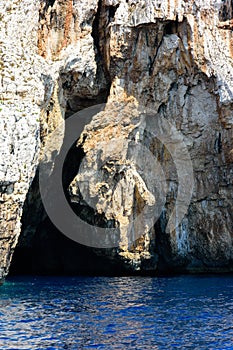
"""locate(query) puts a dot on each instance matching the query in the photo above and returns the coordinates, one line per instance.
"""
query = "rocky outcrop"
(21, 91)
(172, 58)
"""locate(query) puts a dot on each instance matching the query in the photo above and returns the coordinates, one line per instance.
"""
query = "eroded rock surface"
(176, 59)
(172, 57)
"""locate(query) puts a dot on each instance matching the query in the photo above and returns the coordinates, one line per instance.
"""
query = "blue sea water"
(185, 312)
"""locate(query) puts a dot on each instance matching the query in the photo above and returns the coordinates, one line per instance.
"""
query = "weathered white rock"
(21, 93)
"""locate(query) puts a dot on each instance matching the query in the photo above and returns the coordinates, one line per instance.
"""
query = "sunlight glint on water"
(186, 312)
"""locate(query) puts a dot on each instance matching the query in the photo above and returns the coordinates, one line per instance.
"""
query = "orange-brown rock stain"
(230, 41)
(55, 28)
(67, 25)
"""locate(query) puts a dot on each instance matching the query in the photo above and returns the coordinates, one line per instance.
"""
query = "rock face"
(21, 91)
(174, 58)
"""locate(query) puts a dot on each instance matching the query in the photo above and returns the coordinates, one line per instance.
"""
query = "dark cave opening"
(171, 27)
(43, 250)
(51, 253)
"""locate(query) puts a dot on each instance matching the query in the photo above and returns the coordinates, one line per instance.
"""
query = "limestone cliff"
(173, 57)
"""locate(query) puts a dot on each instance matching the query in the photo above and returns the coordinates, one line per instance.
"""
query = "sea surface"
(185, 312)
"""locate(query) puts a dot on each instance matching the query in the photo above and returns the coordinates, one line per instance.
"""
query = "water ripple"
(186, 312)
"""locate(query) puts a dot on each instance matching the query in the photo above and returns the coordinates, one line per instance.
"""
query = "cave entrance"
(41, 248)
(49, 252)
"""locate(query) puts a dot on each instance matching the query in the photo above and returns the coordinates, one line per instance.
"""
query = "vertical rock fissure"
(102, 69)
(226, 11)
